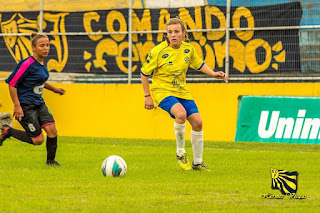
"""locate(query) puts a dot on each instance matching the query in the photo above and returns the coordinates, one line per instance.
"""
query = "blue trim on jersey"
(189, 105)
(144, 74)
(201, 65)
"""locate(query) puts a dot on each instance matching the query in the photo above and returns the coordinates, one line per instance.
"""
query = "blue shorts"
(189, 105)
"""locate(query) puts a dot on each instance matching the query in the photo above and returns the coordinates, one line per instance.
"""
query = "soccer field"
(240, 175)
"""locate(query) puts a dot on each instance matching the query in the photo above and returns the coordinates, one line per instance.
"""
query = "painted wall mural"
(251, 52)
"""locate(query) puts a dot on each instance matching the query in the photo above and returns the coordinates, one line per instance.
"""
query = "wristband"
(147, 95)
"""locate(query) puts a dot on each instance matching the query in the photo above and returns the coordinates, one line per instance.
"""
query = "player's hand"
(221, 75)
(18, 113)
(60, 91)
(148, 103)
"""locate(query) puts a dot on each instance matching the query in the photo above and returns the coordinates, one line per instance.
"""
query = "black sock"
(51, 147)
(20, 135)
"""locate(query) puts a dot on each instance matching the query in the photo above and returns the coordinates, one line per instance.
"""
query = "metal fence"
(249, 40)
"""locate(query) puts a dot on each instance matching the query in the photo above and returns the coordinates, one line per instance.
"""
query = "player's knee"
(181, 116)
(38, 141)
(197, 125)
(52, 133)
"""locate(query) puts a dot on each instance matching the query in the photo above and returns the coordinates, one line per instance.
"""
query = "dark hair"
(177, 20)
(35, 36)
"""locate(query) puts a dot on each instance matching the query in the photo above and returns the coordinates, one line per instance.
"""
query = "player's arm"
(148, 102)
(218, 75)
(17, 111)
(54, 89)
(147, 70)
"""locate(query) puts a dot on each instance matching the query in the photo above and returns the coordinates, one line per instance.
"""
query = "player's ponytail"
(177, 20)
(35, 36)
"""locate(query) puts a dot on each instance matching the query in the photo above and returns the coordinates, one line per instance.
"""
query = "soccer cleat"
(52, 163)
(4, 133)
(183, 162)
(201, 167)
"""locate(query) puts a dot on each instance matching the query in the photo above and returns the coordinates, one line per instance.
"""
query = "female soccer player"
(26, 85)
(168, 64)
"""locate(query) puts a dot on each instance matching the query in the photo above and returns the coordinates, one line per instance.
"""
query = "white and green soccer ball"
(114, 166)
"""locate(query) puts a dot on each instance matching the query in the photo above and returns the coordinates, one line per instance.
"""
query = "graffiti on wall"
(250, 51)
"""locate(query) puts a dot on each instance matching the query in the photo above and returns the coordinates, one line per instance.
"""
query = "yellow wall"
(116, 110)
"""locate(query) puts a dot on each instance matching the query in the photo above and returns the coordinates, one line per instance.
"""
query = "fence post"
(130, 44)
(227, 38)
(41, 16)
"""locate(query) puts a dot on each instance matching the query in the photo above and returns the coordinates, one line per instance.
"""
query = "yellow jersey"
(168, 67)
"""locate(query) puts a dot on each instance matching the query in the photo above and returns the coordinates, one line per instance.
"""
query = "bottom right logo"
(286, 182)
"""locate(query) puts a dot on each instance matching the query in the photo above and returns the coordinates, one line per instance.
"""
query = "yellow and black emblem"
(285, 181)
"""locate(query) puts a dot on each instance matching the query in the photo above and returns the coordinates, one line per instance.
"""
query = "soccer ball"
(114, 166)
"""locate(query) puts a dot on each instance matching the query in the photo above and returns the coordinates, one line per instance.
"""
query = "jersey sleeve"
(19, 73)
(12, 80)
(195, 61)
(150, 64)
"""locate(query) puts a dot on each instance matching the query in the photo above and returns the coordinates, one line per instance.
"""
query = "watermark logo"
(286, 182)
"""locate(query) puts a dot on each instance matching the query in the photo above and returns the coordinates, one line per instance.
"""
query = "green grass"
(240, 174)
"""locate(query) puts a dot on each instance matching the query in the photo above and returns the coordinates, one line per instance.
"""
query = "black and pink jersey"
(29, 77)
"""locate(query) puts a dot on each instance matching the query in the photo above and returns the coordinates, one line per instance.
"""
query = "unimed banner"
(251, 52)
(279, 119)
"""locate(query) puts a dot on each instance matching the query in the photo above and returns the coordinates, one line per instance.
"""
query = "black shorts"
(35, 117)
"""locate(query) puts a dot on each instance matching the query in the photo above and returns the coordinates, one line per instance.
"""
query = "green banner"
(279, 119)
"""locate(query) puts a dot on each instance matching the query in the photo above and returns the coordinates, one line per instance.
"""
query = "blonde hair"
(177, 20)
(35, 36)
